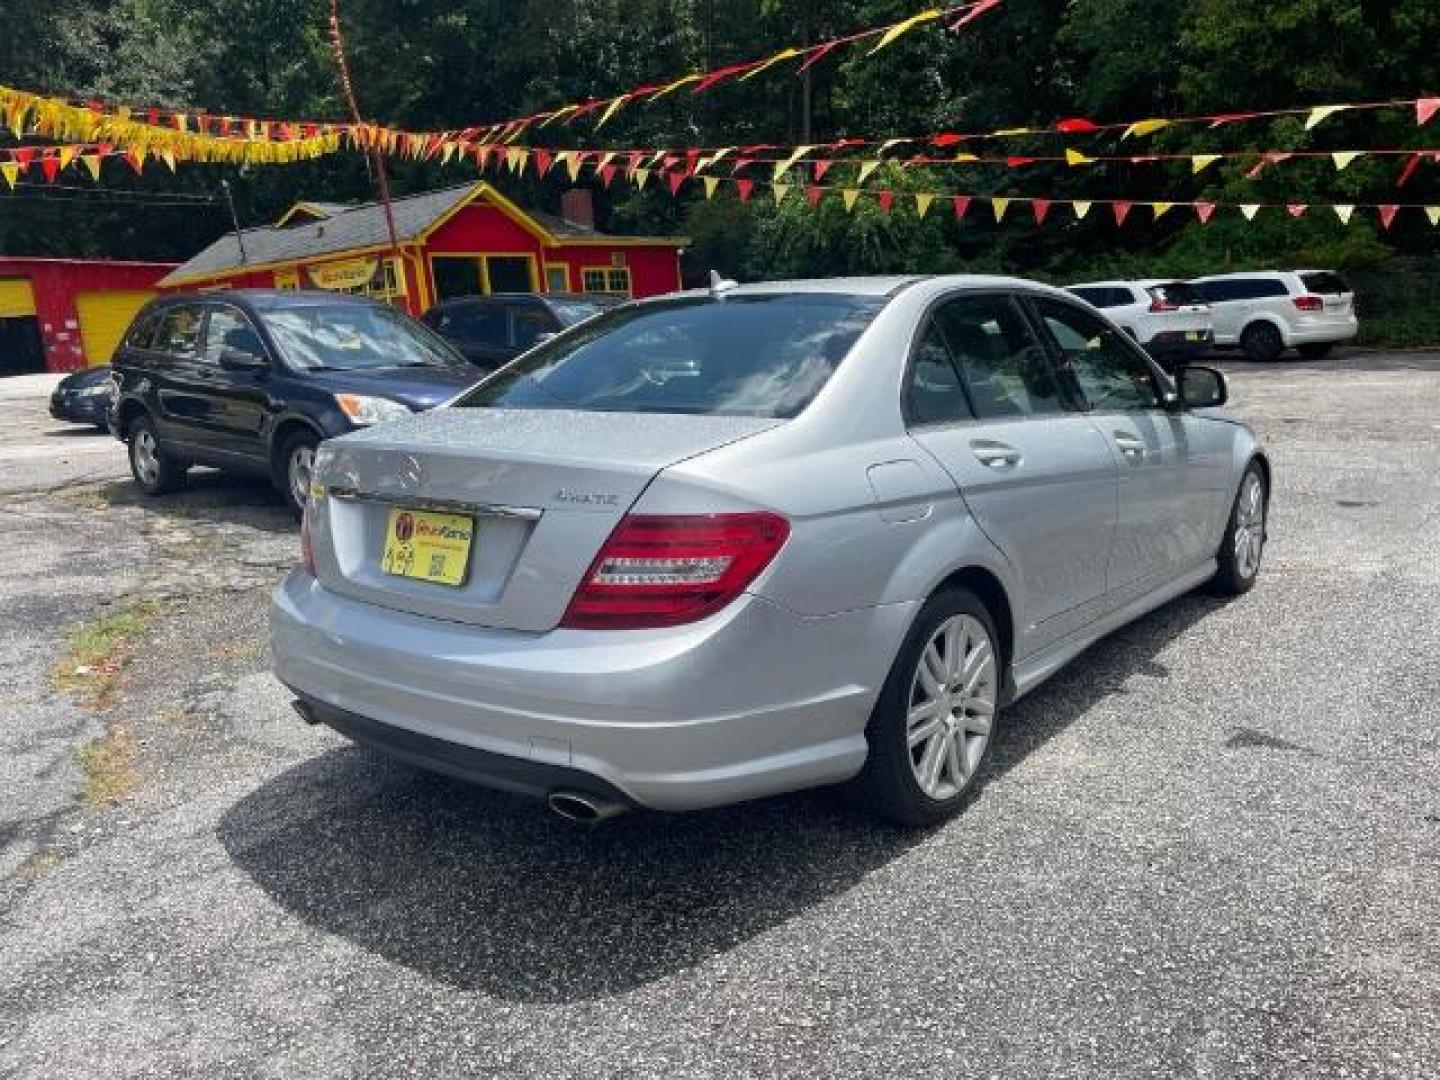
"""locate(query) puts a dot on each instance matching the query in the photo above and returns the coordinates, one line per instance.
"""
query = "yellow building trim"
(17, 298)
(564, 268)
(285, 264)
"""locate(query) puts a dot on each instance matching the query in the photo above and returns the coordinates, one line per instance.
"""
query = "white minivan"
(1267, 312)
(1163, 315)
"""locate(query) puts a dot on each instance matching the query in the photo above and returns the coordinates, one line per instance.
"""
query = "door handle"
(1129, 445)
(995, 455)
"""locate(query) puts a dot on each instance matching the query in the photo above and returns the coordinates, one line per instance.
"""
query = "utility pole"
(235, 220)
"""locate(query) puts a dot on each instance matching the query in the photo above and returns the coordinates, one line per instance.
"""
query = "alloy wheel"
(301, 466)
(952, 706)
(147, 457)
(1250, 526)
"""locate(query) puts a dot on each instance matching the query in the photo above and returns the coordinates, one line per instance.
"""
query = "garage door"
(104, 318)
(17, 300)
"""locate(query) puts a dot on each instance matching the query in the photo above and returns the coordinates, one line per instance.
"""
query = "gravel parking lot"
(1209, 848)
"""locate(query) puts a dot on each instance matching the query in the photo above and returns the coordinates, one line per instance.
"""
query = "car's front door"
(1165, 465)
(1037, 476)
(237, 397)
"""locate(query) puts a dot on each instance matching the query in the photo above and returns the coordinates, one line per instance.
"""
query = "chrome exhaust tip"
(584, 809)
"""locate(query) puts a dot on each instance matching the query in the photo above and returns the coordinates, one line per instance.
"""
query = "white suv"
(1268, 312)
(1166, 317)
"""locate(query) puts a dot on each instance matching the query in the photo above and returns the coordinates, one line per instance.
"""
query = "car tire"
(1316, 350)
(296, 462)
(1262, 343)
(918, 779)
(156, 471)
(1243, 545)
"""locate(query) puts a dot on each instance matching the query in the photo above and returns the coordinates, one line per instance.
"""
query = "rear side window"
(933, 394)
(1325, 282)
(1101, 298)
(179, 332)
(758, 355)
(1252, 288)
(1003, 368)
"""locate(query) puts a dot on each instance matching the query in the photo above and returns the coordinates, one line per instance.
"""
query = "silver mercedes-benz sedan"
(758, 538)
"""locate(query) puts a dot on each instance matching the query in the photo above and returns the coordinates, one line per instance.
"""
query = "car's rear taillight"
(307, 543)
(1309, 303)
(663, 570)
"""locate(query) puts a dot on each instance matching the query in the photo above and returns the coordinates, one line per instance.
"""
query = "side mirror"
(1202, 388)
(240, 360)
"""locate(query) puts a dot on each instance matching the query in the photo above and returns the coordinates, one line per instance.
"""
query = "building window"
(287, 279)
(385, 282)
(607, 279)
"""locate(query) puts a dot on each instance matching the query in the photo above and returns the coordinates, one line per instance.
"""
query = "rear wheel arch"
(990, 591)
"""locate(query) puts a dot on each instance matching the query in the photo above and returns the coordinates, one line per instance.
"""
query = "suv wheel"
(297, 464)
(934, 721)
(154, 469)
(1262, 342)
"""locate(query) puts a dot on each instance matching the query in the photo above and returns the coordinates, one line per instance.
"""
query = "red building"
(62, 314)
(455, 242)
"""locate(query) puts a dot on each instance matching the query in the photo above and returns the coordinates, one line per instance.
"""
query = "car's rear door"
(1168, 467)
(1036, 475)
(181, 393)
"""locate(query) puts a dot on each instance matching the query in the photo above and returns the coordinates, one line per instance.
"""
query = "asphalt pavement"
(1208, 848)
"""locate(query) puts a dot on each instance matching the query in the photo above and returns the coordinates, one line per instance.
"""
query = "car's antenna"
(719, 286)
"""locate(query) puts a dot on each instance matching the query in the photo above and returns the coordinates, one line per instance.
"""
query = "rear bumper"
(80, 410)
(754, 701)
(1303, 333)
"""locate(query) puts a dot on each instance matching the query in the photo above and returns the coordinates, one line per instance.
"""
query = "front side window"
(933, 394)
(1005, 371)
(1108, 371)
(348, 337)
(179, 332)
(759, 355)
(229, 329)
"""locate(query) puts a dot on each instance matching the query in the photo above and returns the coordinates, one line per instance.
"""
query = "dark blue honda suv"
(253, 380)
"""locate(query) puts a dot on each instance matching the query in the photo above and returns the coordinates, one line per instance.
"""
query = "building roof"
(362, 226)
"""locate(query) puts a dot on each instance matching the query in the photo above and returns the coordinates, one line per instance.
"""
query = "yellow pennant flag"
(558, 114)
(781, 167)
(572, 167)
(640, 176)
(783, 54)
(1321, 113)
(1250, 210)
(682, 81)
(1344, 213)
(1014, 131)
(999, 206)
(966, 157)
(780, 190)
(67, 156)
(1433, 213)
(1160, 208)
(1075, 157)
(1200, 162)
(92, 163)
(711, 183)
(1145, 127)
(890, 144)
(923, 200)
(611, 110)
(848, 197)
(605, 159)
(1081, 209)
(1343, 158)
(11, 172)
(866, 168)
(168, 156)
(904, 28)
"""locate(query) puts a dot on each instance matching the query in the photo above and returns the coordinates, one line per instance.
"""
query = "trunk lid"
(544, 489)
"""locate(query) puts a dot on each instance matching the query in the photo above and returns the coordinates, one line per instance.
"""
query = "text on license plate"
(427, 545)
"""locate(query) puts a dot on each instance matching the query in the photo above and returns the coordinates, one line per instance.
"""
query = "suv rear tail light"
(1309, 303)
(664, 570)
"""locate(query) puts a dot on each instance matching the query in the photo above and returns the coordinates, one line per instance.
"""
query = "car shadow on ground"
(488, 892)
(210, 496)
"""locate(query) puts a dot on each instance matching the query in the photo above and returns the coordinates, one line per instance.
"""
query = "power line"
(175, 196)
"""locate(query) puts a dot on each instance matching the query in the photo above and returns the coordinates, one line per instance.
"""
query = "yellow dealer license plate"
(429, 546)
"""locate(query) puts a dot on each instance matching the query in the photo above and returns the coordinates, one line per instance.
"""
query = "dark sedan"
(490, 331)
(83, 397)
(254, 380)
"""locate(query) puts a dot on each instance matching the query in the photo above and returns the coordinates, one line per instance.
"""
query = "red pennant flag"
(946, 139)
(668, 162)
(820, 168)
(1410, 166)
(1204, 211)
(607, 173)
(1387, 215)
(1077, 125)
(310, 130)
(675, 179)
(1296, 210)
(543, 160)
(1122, 211)
(635, 158)
(813, 193)
(152, 116)
(50, 166)
(1425, 108)
(1222, 119)
(962, 206)
(691, 157)
(225, 125)
(886, 199)
(202, 123)
(24, 156)
(136, 161)
(1040, 207)
(744, 187)
(1017, 162)
(715, 76)
(816, 54)
(740, 163)
(973, 14)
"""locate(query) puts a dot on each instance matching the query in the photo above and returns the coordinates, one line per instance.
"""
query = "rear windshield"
(1324, 282)
(764, 356)
(1178, 293)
